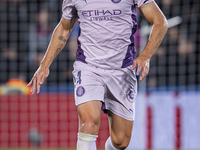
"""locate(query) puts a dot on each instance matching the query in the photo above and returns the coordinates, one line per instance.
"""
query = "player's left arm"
(155, 16)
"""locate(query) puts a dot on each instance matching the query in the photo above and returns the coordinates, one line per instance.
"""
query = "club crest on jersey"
(131, 94)
(116, 1)
(80, 91)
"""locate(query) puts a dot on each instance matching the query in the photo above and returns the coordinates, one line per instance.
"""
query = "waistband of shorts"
(77, 62)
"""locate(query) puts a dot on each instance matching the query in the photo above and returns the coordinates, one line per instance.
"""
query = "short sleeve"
(67, 9)
(142, 2)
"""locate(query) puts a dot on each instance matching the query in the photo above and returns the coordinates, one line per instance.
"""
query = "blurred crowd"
(26, 27)
(177, 61)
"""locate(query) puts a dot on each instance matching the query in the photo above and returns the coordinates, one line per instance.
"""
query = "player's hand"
(142, 64)
(40, 75)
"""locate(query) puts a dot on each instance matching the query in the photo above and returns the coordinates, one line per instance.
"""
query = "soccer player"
(104, 70)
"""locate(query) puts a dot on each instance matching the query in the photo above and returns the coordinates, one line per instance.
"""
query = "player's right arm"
(57, 43)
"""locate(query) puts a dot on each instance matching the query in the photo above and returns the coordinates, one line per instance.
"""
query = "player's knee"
(121, 142)
(89, 127)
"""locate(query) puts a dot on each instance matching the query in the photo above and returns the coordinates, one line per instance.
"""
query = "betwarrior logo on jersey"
(101, 15)
(116, 1)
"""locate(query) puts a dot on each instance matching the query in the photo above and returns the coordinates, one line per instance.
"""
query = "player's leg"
(89, 95)
(89, 122)
(120, 132)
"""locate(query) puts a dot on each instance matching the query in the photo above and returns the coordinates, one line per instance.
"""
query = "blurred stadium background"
(168, 102)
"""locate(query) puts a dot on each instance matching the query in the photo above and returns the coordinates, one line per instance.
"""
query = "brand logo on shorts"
(80, 91)
(131, 94)
(116, 1)
(131, 110)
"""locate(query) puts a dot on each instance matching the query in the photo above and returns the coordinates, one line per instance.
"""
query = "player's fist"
(40, 75)
(142, 64)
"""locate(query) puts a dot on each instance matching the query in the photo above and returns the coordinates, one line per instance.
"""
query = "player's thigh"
(120, 129)
(89, 114)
